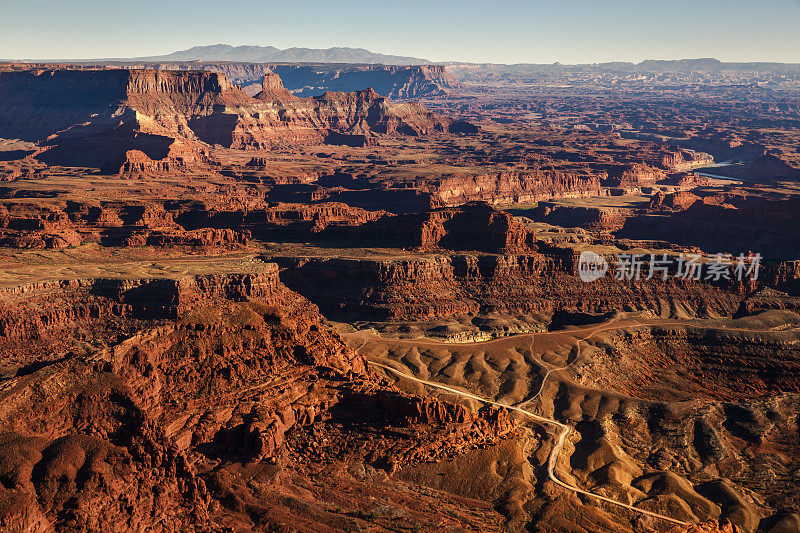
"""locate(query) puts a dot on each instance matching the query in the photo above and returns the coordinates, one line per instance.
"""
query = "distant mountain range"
(270, 54)
(344, 55)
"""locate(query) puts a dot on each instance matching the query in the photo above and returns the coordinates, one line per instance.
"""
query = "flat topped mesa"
(189, 92)
(167, 81)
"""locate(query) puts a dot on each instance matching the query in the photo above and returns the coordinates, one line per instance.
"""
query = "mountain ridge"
(254, 54)
(266, 54)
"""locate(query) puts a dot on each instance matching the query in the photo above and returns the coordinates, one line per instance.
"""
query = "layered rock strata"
(465, 285)
(146, 420)
(96, 117)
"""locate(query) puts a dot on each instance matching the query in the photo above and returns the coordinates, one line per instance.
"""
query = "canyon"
(346, 297)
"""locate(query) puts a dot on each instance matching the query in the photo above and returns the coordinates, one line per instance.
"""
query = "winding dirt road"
(554, 453)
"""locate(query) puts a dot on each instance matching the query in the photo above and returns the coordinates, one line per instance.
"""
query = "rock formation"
(509, 187)
(462, 285)
(341, 115)
(472, 226)
(739, 220)
(104, 114)
(396, 82)
(223, 371)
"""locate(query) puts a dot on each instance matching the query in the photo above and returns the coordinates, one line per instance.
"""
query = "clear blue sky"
(501, 31)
